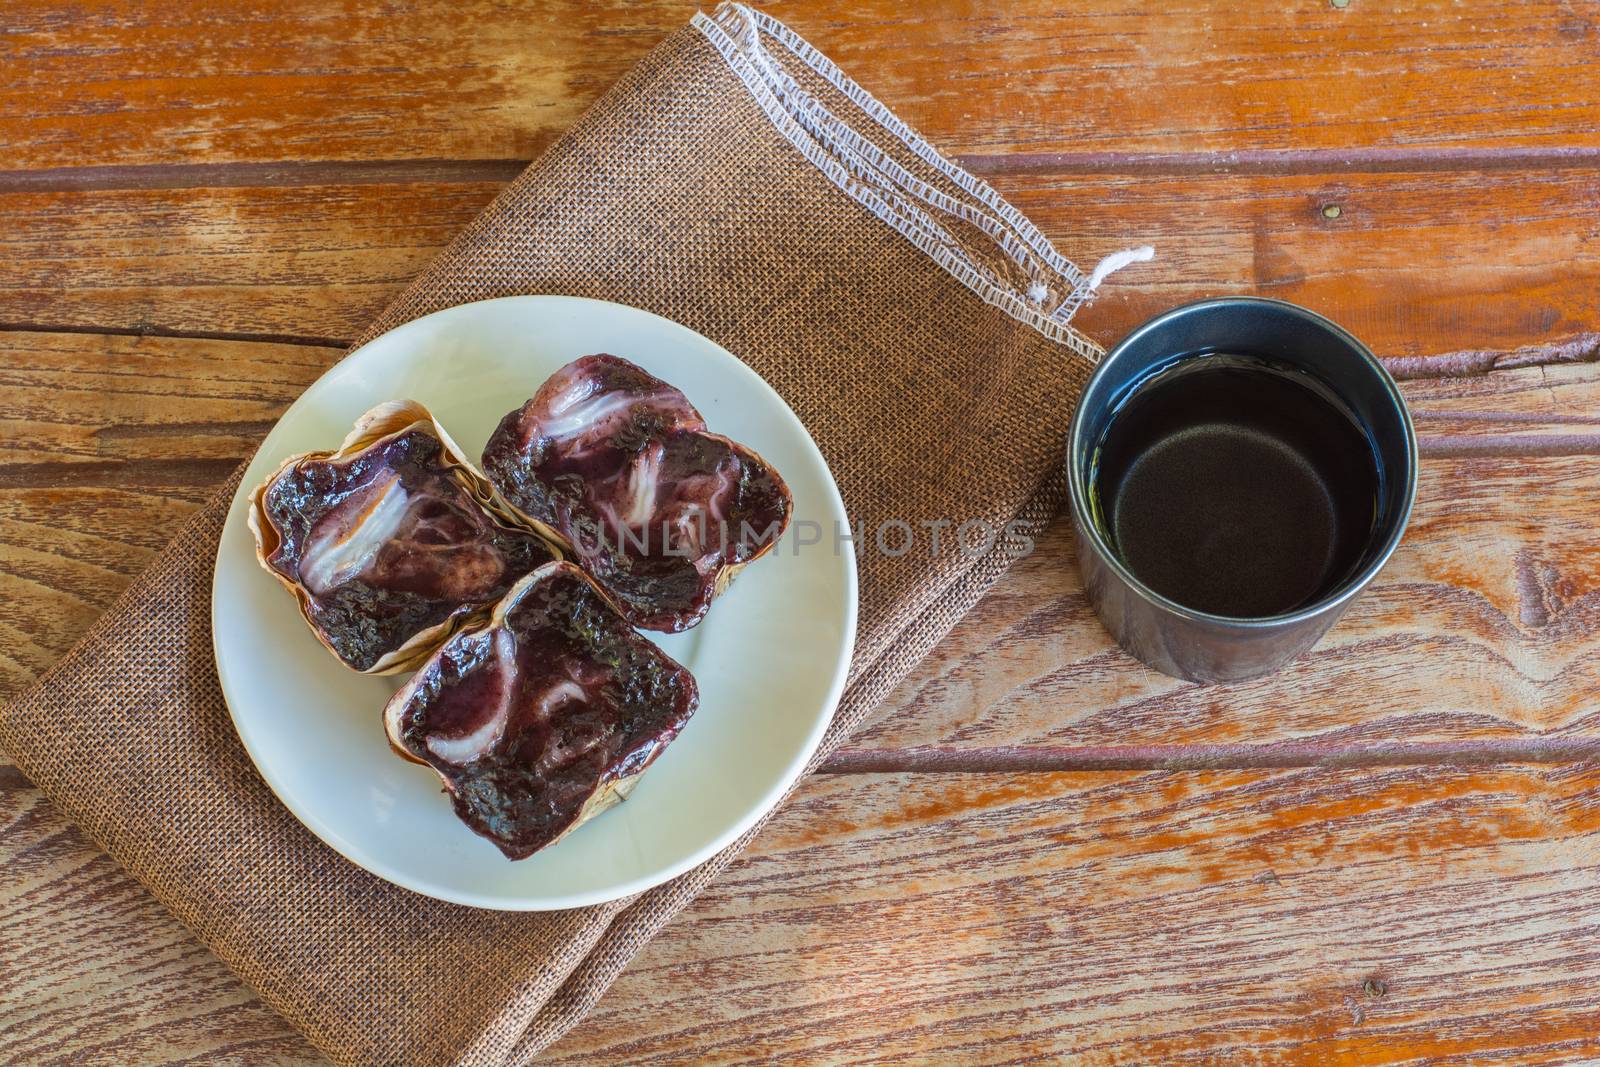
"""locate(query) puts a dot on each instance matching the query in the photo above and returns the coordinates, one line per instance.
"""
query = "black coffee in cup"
(1236, 486)
(1239, 470)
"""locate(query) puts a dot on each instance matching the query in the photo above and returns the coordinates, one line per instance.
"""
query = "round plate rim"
(792, 771)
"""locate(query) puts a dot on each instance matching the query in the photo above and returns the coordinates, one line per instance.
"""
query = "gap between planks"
(1371, 159)
(1268, 756)
(1277, 755)
(181, 335)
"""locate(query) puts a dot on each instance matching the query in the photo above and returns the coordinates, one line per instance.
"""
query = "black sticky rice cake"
(545, 716)
(620, 467)
(391, 541)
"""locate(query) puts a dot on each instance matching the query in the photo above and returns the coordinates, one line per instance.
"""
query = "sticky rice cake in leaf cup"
(392, 541)
(543, 717)
(659, 510)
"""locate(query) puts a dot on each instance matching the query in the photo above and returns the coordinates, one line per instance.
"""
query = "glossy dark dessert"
(388, 543)
(619, 465)
(544, 717)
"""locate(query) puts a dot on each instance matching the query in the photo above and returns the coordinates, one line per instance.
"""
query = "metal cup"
(1196, 645)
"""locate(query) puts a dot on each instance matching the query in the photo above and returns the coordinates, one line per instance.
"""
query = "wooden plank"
(1415, 264)
(1378, 916)
(1398, 916)
(98, 972)
(86, 398)
(106, 445)
(312, 262)
(123, 82)
(1486, 624)
(109, 441)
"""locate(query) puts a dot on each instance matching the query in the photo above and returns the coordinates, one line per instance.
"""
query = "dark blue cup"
(1180, 639)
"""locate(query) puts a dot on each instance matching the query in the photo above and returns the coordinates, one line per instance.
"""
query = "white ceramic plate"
(770, 657)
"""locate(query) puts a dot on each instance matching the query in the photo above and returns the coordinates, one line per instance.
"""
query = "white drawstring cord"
(1115, 262)
(1039, 292)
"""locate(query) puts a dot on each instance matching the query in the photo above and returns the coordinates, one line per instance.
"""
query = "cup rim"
(1341, 595)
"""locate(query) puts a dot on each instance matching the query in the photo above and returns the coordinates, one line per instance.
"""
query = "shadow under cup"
(1239, 470)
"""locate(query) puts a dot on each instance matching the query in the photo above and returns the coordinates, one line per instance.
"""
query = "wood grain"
(206, 204)
(106, 445)
(1495, 590)
(126, 82)
(110, 440)
(1410, 265)
(1397, 916)
(94, 971)
(1380, 916)
(308, 262)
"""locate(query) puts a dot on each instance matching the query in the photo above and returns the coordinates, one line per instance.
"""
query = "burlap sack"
(736, 182)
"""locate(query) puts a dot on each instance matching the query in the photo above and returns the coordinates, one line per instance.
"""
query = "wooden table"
(1040, 849)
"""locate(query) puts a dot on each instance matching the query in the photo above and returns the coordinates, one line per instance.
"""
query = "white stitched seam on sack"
(861, 169)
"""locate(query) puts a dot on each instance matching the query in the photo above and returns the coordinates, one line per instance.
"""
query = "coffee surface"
(1236, 487)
